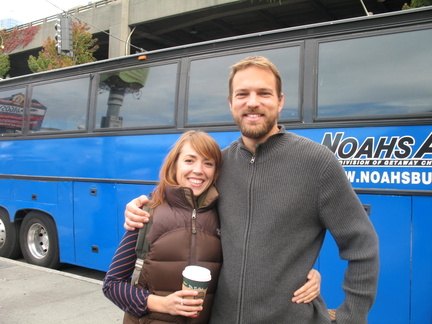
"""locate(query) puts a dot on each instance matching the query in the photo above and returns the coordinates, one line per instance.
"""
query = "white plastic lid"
(197, 273)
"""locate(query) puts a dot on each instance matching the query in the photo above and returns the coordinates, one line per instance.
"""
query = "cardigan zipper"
(246, 241)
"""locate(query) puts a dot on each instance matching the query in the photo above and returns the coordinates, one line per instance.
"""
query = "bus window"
(59, 106)
(137, 97)
(208, 84)
(377, 75)
(11, 111)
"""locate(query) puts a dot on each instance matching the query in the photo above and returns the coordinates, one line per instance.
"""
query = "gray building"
(129, 26)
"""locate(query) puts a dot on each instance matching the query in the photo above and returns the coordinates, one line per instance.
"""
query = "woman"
(185, 231)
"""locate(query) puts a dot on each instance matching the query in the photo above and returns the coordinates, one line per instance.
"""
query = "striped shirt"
(117, 287)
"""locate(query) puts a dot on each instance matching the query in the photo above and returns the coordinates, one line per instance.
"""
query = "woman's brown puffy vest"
(182, 234)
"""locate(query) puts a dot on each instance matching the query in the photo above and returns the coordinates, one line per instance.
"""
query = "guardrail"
(68, 12)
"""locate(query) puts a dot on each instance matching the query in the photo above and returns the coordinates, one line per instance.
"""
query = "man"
(279, 193)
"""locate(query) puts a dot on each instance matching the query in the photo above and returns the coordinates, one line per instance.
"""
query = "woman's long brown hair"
(203, 144)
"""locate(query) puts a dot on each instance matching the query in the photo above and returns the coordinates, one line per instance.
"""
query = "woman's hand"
(176, 303)
(310, 290)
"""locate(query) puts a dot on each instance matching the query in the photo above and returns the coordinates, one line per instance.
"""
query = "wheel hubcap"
(2, 233)
(38, 241)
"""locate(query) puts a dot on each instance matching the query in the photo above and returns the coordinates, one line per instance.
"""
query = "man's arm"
(135, 217)
(343, 215)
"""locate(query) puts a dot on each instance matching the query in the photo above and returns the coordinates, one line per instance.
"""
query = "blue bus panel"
(421, 304)
(87, 201)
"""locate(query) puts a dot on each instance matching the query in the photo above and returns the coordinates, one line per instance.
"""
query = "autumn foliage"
(10, 41)
(17, 37)
(83, 49)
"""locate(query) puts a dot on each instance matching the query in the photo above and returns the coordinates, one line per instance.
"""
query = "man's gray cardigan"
(275, 207)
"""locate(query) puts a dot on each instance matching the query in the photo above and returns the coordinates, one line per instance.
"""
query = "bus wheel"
(9, 237)
(38, 238)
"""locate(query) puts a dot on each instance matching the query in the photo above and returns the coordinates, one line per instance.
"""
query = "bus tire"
(9, 237)
(39, 241)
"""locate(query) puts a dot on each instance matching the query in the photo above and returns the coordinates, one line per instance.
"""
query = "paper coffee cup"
(196, 278)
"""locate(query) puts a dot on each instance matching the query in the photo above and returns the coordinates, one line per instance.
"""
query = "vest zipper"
(194, 221)
(193, 238)
(252, 160)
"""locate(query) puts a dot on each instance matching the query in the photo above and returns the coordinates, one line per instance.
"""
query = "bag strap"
(142, 246)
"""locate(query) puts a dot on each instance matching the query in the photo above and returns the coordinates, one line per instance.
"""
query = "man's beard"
(255, 130)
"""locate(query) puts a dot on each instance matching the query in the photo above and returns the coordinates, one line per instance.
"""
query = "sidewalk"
(37, 295)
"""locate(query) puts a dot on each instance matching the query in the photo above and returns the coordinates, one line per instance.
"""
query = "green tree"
(48, 58)
(84, 46)
(4, 60)
(4, 65)
(417, 4)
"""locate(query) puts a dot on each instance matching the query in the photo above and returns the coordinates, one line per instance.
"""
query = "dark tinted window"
(377, 75)
(11, 110)
(59, 106)
(137, 97)
(208, 84)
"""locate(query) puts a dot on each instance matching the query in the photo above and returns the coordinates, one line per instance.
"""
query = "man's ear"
(229, 103)
(281, 102)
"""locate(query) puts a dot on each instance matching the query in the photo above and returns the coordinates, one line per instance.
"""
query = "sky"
(26, 11)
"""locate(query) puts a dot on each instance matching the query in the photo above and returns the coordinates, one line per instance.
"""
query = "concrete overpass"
(129, 26)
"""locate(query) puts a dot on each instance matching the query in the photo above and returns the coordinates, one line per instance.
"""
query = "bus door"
(391, 217)
(421, 304)
(99, 218)
(95, 224)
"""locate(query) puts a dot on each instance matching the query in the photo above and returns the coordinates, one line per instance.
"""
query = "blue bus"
(78, 143)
